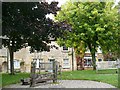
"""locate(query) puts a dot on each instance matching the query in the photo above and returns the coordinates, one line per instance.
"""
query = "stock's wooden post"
(54, 71)
(32, 81)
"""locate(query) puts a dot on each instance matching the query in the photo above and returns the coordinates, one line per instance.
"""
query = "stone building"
(3, 60)
(86, 62)
(88, 57)
(23, 58)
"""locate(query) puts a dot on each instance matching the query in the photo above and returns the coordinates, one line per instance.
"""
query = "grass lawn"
(107, 76)
(12, 79)
(110, 71)
(0, 80)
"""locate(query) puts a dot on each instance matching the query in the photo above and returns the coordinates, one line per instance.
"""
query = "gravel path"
(68, 84)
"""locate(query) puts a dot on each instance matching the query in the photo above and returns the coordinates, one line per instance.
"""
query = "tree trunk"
(72, 60)
(92, 51)
(93, 60)
(81, 64)
(11, 62)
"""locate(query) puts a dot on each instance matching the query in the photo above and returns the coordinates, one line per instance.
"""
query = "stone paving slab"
(67, 84)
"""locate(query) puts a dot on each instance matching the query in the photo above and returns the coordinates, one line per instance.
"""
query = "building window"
(16, 64)
(38, 61)
(87, 62)
(41, 60)
(66, 63)
(49, 67)
(99, 59)
(51, 60)
(65, 48)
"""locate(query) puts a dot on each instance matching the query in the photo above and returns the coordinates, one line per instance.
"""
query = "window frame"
(66, 65)
(99, 59)
(65, 48)
(16, 64)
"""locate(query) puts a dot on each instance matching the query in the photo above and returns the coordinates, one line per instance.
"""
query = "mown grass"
(0, 80)
(109, 76)
(110, 71)
(8, 79)
(106, 76)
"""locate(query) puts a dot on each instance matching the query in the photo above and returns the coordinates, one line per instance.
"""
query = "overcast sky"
(61, 2)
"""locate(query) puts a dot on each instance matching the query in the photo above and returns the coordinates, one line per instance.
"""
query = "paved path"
(68, 84)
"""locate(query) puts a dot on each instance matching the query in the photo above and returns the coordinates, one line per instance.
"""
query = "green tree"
(118, 49)
(94, 23)
(26, 22)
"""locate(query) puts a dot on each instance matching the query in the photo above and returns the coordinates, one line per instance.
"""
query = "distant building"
(87, 60)
(88, 57)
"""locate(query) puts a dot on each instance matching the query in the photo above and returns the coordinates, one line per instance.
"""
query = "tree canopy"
(94, 23)
(26, 23)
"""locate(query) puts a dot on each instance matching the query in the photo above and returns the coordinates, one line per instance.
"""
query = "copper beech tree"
(26, 23)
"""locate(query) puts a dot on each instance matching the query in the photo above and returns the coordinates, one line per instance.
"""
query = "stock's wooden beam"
(40, 78)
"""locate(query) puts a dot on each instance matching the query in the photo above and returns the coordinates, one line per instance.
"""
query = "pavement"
(67, 84)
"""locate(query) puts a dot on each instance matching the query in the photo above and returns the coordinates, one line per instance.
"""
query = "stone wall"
(106, 65)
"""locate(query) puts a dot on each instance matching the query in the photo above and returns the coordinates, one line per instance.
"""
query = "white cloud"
(61, 2)
(51, 16)
(116, 1)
